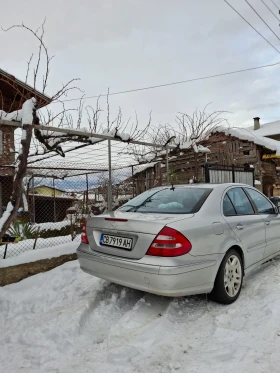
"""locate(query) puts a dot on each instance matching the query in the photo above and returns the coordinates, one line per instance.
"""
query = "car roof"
(204, 185)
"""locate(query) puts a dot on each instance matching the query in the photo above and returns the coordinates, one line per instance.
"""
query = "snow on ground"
(47, 253)
(53, 226)
(67, 321)
(42, 243)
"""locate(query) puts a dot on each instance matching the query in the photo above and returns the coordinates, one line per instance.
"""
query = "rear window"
(168, 201)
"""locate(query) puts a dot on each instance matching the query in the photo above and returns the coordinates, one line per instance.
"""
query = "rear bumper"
(197, 278)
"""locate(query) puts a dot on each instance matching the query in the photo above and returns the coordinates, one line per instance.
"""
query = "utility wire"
(270, 10)
(174, 83)
(262, 19)
(188, 80)
(277, 50)
(274, 4)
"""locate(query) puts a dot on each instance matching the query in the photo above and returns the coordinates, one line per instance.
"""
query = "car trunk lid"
(139, 229)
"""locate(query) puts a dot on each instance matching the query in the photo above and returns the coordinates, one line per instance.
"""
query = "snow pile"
(25, 203)
(186, 145)
(143, 167)
(55, 137)
(14, 116)
(197, 148)
(146, 158)
(48, 133)
(117, 134)
(6, 214)
(124, 197)
(94, 140)
(34, 255)
(53, 142)
(27, 111)
(67, 321)
(53, 226)
(25, 115)
(28, 244)
(246, 134)
(201, 149)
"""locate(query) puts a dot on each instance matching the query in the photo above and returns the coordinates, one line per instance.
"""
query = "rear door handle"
(267, 222)
(240, 226)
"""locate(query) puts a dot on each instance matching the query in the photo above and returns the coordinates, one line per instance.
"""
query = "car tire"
(229, 279)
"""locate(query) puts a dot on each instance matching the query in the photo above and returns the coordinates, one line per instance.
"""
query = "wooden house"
(224, 146)
(13, 93)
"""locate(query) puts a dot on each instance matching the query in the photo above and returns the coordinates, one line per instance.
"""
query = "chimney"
(257, 123)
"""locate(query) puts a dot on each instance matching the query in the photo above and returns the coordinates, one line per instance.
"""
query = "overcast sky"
(126, 44)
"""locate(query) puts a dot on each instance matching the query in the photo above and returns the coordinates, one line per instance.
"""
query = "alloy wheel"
(233, 275)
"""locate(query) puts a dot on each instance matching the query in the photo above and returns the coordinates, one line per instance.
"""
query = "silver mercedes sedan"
(183, 240)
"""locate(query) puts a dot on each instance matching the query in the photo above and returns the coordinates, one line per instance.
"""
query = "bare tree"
(28, 116)
(186, 134)
(195, 127)
(50, 141)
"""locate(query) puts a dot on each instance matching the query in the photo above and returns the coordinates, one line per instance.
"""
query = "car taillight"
(169, 242)
(84, 237)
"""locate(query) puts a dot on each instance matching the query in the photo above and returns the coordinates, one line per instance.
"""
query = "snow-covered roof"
(267, 129)
(143, 167)
(197, 148)
(251, 135)
(201, 149)
(47, 186)
(46, 196)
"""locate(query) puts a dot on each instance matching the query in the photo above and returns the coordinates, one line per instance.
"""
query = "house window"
(246, 152)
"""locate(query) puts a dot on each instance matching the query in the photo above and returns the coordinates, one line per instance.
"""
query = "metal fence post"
(233, 174)
(54, 204)
(87, 208)
(110, 199)
(133, 186)
(5, 252)
(33, 200)
(207, 173)
(167, 165)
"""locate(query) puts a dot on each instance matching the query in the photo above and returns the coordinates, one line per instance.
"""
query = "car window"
(240, 201)
(262, 204)
(228, 208)
(176, 200)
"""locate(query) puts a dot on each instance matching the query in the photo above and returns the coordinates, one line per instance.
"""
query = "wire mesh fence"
(57, 199)
(57, 196)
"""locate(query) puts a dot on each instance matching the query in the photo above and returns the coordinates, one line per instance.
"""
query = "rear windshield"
(168, 201)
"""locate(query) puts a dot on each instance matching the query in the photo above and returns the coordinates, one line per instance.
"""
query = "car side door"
(248, 226)
(271, 219)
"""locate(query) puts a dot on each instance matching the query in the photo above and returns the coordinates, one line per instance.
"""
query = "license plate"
(115, 241)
